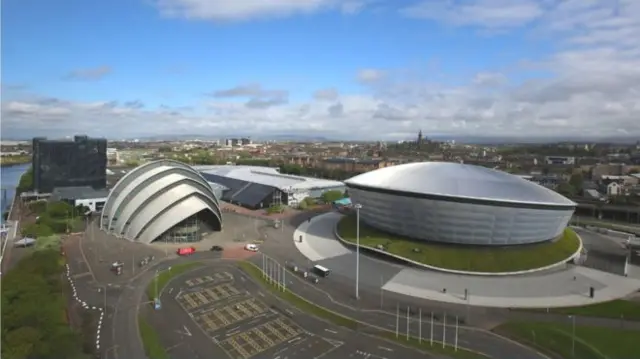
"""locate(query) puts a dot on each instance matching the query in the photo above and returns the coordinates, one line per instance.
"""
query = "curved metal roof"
(457, 180)
(154, 197)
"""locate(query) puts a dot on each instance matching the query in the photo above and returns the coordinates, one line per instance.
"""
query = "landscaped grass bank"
(150, 340)
(464, 258)
(618, 309)
(590, 342)
(166, 275)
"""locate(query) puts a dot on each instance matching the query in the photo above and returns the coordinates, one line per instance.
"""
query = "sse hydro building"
(457, 203)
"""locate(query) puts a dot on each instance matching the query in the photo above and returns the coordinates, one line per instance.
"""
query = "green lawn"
(475, 259)
(590, 342)
(347, 322)
(150, 340)
(165, 276)
(614, 309)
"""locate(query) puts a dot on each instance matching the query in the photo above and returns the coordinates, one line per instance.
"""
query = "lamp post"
(573, 335)
(358, 207)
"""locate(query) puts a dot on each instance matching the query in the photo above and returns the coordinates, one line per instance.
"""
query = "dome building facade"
(461, 204)
(163, 200)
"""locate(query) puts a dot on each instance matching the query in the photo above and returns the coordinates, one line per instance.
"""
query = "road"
(321, 339)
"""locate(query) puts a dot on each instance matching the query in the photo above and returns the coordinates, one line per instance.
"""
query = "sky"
(344, 69)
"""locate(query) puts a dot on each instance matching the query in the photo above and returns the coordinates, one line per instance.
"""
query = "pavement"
(219, 311)
(559, 288)
(90, 257)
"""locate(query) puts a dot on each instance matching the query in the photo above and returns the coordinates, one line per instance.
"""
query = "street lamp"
(358, 207)
(573, 335)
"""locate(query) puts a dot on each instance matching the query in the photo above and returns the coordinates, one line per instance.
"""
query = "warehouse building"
(262, 187)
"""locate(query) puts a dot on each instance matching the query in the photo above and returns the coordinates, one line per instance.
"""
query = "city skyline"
(362, 70)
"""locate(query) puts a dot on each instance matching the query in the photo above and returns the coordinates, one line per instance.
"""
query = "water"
(9, 178)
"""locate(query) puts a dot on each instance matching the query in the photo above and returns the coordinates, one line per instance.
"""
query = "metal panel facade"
(77, 163)
(456, 222)
(138, 205)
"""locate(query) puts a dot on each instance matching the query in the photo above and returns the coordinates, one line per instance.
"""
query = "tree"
(332, 196)
(26, 181)
(36, 230)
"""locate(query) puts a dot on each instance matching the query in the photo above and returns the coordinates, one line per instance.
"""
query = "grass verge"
(165, 276)
(590, 342)
(343, 321)
(150, 340)
(618, 309)
(466, 258)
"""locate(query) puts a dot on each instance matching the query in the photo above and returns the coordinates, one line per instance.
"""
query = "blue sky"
(471, 67)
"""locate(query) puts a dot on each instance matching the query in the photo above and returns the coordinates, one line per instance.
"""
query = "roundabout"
(483, 260)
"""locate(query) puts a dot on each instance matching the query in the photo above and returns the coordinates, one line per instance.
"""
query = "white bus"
(321, 271)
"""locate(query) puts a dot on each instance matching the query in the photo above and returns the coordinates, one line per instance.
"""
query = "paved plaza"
(563, 287)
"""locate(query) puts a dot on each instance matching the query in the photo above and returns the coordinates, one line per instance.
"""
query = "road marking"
(294, 340)
(260, 294)
(331, 331)
(187, 330)
(170, 290)
(288, 311)
(387, 349)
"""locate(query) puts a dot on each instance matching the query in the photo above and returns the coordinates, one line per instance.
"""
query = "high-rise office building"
(69, 163)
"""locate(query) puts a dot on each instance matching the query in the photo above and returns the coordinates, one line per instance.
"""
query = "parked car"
(217, 249)
(251, 247)
(186, 251)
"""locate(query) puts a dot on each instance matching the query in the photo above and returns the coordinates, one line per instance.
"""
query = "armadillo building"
(163, 200)
(457, 203)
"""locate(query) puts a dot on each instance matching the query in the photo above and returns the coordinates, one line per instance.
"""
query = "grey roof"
(269, 177)
(461, 181)
(73, 193)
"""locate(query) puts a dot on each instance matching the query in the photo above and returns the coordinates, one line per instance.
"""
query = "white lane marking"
(387, 349)
(187, 330)
(331, 331)
(294, 340)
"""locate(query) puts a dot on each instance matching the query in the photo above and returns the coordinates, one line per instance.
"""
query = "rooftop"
(457, 180)
(83, 192)
(268, 176)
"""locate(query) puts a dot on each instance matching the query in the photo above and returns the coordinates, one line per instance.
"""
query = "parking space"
(215, 319)
(207, 296)
(261, 338)
(216, 278)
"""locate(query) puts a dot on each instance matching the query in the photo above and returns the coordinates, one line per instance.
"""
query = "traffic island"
(463, 259)
(343, 321)
(165, 276)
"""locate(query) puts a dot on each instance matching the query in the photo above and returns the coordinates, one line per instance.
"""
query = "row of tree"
(53, 217)
(34, 318)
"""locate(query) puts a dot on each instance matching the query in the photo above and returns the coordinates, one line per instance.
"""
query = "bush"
(36, 230)
(26, 182)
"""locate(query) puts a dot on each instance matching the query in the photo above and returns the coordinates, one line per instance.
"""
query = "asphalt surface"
(90, 258)
(185, 334)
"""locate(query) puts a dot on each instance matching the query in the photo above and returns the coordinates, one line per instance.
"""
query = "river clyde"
(9, 178)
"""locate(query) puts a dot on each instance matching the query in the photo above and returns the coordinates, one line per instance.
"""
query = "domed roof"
(154, 197)
(458, 180)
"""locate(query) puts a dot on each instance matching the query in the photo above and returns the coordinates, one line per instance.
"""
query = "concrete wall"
(461, 223)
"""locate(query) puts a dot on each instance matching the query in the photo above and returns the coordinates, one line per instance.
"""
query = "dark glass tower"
(69, 163)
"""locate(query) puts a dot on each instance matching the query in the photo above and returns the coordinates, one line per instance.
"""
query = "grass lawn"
(150, 340)
(165, 276)
(343, 321)
(474, 258)
(614, 309)
(590, 342)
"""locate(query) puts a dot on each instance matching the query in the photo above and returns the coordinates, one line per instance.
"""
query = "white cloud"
(591, 86)
(240, 10)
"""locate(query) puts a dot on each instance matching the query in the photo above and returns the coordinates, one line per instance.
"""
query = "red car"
(186, 251)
